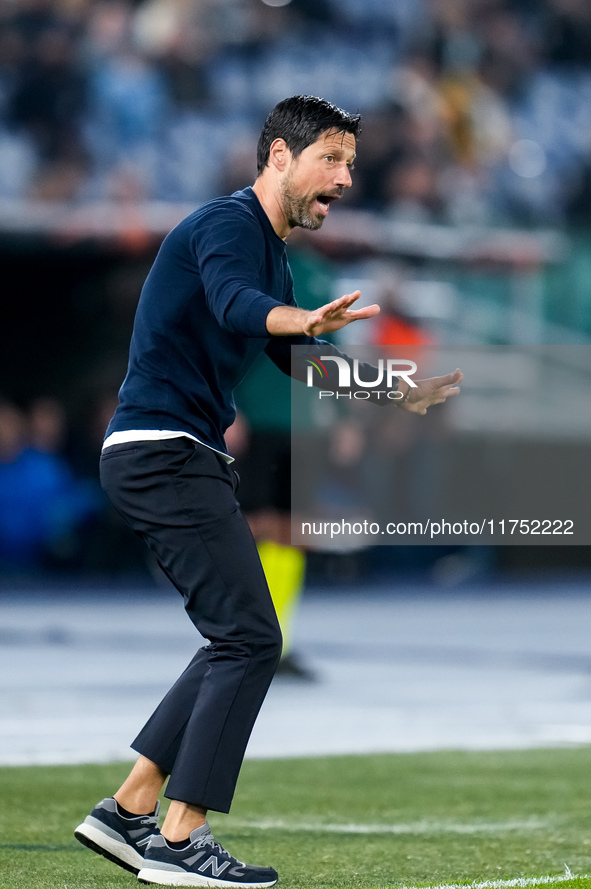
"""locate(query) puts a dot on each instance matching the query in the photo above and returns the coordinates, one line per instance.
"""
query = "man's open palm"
(432, 391)
(337, 314)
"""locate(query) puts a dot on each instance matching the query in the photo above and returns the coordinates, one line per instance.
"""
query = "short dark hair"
(300, 120)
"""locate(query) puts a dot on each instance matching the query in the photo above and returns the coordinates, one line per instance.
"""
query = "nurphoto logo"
(388, 372)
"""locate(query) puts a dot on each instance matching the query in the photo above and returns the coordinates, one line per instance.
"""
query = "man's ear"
(279, 155)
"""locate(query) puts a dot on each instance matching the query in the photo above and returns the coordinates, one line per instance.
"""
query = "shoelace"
(208, 840)
(152, 820)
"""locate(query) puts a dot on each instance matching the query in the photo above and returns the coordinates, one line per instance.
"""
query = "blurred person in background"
(47, 425)
(43, 506)
(261, 438)
(261, 441)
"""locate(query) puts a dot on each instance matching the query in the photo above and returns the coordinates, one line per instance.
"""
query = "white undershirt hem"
(130, 435)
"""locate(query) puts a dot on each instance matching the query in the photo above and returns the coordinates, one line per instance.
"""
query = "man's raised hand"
(292, 321)
(433, 391)
(337, 314)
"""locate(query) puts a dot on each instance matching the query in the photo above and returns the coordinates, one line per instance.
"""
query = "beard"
(297, 208)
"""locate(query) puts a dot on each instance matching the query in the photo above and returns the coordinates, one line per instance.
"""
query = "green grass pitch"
(365, 822)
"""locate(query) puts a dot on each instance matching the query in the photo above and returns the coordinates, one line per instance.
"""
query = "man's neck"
(271, 203)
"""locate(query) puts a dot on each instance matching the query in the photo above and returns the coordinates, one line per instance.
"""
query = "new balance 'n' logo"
(213, 863)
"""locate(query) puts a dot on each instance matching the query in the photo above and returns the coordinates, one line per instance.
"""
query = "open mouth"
(324, 202)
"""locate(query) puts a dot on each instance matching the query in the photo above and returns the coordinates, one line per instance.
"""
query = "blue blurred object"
(41, 505)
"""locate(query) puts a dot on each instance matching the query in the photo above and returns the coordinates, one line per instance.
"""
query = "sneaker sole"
(118, 853)
(172, 878)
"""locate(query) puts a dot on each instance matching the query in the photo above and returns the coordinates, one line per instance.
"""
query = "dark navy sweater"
(201, 320)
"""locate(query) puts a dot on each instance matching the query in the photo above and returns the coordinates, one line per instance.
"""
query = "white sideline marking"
(417, 827)
(504, 884)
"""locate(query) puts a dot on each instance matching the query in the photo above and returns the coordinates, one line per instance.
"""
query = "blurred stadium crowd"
(474, 110)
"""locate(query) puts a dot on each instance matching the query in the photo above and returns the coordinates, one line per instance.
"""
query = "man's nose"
(344, 176)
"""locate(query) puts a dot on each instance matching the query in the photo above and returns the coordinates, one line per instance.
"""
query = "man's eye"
(329, 158)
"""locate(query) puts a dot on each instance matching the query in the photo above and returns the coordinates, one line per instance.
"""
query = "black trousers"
(180, 498)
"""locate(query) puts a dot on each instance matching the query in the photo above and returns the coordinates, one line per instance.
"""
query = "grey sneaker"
(121, 840)
(202, 862)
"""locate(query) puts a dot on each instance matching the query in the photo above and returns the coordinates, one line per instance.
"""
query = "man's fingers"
(449, 384)
(338, 314)
(433, 391)
(450, 379)
(336, 306)
(343, 302)
(365, 312)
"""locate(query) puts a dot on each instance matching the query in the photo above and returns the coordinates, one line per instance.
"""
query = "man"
(218, 294)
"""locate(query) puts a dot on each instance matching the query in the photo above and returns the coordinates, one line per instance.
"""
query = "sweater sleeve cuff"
(256, 320)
